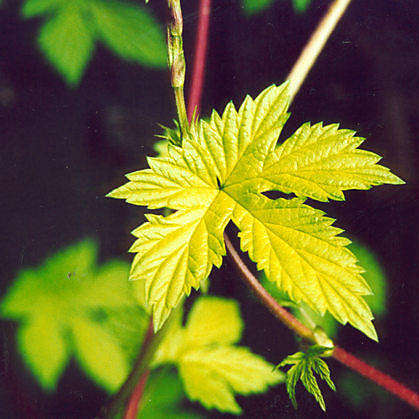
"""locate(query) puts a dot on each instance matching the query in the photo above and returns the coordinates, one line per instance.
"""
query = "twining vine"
(200, 143)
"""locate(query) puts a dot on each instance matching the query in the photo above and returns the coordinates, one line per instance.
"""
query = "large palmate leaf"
(219, 174)
(211, 366)
(69, 307)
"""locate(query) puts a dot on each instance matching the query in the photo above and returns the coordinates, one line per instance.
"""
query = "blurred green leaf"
(99, 354)
(300, 6)
(375, 277)
(32, 8)
(163, 397)
(68, 42)
(45, 350)
(252, 7)
(213, 369)
(68, 307)
(359, 391)
(131, 32)
(68, 37)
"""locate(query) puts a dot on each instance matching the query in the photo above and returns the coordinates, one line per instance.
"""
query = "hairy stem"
(315, 45)
(176, 59)
(345, 358)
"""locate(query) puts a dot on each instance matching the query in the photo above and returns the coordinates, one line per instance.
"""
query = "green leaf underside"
(68, 37)
(212, 368)
(304, 366)
(67, 308)
(219, 175)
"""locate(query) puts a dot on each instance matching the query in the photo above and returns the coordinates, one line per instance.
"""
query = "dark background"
(62, 150)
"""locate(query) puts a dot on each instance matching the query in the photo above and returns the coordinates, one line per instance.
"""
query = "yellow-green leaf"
(220, 173)
(321, 162)
(212, 369)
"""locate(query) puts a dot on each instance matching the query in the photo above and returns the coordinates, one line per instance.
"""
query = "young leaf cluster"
(72, 27)
(220, 173)
(69, 307)
(304, 366)
(213, 369)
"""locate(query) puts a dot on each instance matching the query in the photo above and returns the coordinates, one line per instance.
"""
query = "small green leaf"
(304, 365)
(252, 7)
(68, 43)
(211, 367)
(130, 31)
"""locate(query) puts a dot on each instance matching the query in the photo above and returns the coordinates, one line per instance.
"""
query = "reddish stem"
(137, 394)
(381, 379)
(347, 359)
(198, 69)
(195, 94)
(131, 411)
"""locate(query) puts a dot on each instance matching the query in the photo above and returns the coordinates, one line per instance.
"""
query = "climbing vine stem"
(297, 76)
(339, 354)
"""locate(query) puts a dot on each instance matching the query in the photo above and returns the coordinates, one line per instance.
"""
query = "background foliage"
(64, 150)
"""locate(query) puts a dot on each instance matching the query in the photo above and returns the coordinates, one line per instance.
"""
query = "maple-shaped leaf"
(68, 307)
(219, 174)
(211, 366)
